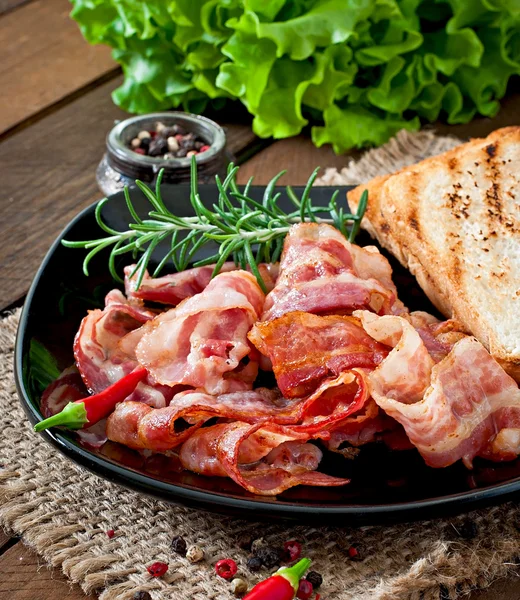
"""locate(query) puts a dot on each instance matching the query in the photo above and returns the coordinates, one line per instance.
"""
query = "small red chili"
(110, 533)
(157, 569)
(292, 550)
(226, 568)
(87, 411)
(283, 585)
(305, 590)
(318, 596)
(353, 553)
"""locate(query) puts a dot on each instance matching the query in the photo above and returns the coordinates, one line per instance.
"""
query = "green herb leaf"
(238, 223)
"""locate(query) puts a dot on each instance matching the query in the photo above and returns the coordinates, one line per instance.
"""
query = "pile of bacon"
(352, 365)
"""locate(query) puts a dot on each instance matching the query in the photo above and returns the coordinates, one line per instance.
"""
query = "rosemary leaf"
(245, 230)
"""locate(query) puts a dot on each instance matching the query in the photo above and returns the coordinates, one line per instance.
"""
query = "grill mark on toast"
(412, 217)
(492, 196)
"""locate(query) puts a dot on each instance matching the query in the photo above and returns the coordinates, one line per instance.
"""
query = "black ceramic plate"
(386, 486)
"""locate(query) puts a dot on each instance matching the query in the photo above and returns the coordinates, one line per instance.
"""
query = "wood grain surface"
(42, 191)
(56, 99)
(44, 59)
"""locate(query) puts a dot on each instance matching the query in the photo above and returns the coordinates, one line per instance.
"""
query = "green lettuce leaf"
(360, 70)
(356, 127)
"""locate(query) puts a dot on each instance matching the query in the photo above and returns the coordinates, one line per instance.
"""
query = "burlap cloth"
(63, 511)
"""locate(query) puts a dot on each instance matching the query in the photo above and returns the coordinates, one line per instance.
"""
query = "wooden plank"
(6, 5)
(44, 59)
(43, 190)
(26, 577)
(297, 155)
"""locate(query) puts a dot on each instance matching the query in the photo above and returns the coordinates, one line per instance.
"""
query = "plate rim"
(222, 502)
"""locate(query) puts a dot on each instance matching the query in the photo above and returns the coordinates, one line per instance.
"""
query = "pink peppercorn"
(292, 550)
(305, 590)
(110, 533)
(226, 568)
(157, 569)
(139, 151)
(204, 148)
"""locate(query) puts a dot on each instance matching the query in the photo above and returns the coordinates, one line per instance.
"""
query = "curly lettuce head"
(357, 70)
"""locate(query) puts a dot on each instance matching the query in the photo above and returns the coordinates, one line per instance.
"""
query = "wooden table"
(55, 112)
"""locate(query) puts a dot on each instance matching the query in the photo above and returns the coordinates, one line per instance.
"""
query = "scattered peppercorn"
(157, 569)
(257, 544)
(354, 553)
(158, 147)
(110, 533)
(168, 142)
(315, 578)
(141, 596)
(239, 586)
(269, 556)
(226, 568)
(292, 550)
(195, 554)
(173, 144)
(179, 545)
(468, 530)
(305, 590)
(245, 542)
(254, 564)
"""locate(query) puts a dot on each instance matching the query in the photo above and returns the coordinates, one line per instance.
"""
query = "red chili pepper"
(226, 568)
(283, 585)
(87, 411)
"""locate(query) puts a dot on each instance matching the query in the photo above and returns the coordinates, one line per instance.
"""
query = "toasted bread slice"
(454, 221)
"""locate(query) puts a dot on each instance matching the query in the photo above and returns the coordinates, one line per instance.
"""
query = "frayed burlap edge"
(406, 148)
(62, 511)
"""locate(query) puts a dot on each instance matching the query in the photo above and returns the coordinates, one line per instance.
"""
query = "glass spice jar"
(121, 166)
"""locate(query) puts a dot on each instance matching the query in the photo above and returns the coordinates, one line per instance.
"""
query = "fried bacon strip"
(322, 273)
(305, 349)
(203, 341)
(173, 288)
(459, 408)
(104, 349)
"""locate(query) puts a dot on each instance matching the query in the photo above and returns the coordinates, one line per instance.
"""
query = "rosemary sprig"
(246, 231)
